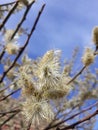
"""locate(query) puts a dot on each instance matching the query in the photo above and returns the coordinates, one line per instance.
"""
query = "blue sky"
(63, 25)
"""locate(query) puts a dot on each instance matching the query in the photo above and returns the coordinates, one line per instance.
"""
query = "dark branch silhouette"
(11, 117)
(71, 117)
(23, 19)
(8, 16)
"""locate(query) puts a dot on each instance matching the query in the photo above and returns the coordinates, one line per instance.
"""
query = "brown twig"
(2, 53)
(55, 118)
(10, 94)
(50, 125)
(7, 112)
(29, 125)
(26, 43)
(71, 117)
(76, 75)
(2, 114)
(4, 89)
(83, 68)
(81, 121)
(9, 14)
(22, 20)
(9, 118)
(6, 4)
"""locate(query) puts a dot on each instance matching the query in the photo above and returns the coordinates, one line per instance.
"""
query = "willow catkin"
(88, 57)
(12, 48)
(95, 35)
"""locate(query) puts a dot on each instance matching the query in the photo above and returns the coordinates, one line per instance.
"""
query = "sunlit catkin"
(12, 48)
(88, 57)
(48, 70)
(26, 2)
(37, 110)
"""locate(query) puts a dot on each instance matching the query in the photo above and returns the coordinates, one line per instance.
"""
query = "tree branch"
(83, 68)
(9, 14)
(71, 117)
(22, 20)
(80, 121)
(10, 94)
(7, 112)
(9, 118)
(26, 43)
(2, 53)
(76, 75)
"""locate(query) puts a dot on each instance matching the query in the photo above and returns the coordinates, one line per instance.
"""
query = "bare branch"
(9, 14)
(26, 43)
(2, 53)
(81, 121)
(76, 75)
(82, 69)
(10, 94)
(4, 89)
(7, 112)
(22, 20)
(9, 118)
(71, 117)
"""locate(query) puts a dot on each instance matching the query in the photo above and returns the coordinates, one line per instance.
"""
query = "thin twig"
(10, 94)
(71, 117)
(76, 75)
(7, 112)
(81, 121)
(30, 123)
(9, 14)
(4, 89)
(9, 118)
(83, 68)
(55, 118)
(22, 20)
(2, 114)
(2, 53)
